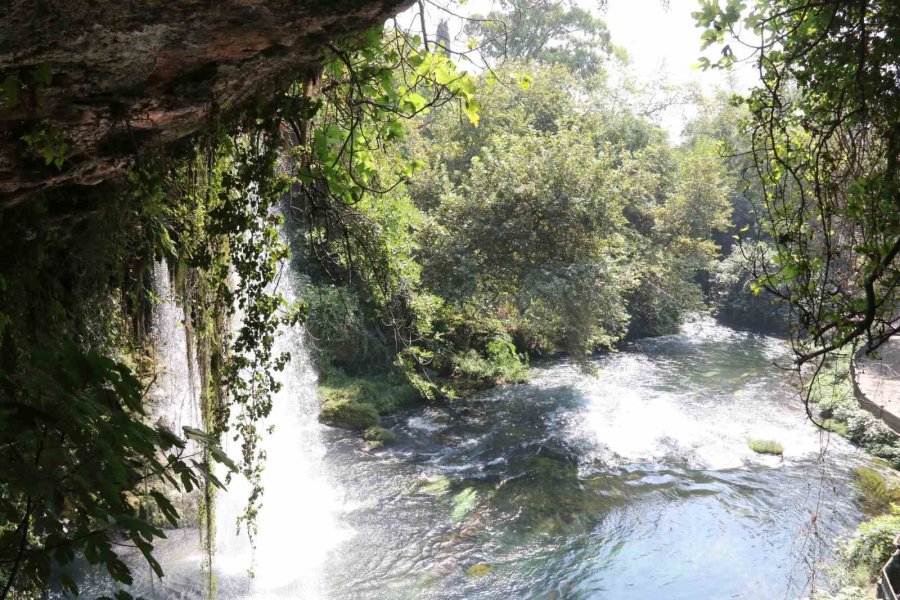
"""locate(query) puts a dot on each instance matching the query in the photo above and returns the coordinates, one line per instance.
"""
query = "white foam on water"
(634, 420)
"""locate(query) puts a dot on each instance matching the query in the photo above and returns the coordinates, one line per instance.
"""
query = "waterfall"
(175, 393)
(298, 521)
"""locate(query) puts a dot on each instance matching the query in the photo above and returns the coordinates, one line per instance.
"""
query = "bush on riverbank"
(501, 365)
(871, 546)
(866, 551)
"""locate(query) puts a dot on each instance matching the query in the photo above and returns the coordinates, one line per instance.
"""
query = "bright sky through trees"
(659, 36)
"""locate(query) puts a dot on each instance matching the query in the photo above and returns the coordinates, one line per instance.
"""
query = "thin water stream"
(631, 481)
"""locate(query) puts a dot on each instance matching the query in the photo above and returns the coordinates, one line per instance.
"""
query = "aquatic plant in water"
(766, 447)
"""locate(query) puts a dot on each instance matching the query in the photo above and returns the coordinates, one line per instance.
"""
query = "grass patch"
(879, 492)
(766, 447)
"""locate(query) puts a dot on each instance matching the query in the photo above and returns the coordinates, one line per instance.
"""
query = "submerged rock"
(438, 487)
(379, 435)
(479, 570)
(464, 502)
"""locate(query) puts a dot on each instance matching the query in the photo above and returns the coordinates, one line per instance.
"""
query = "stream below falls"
(634, 481)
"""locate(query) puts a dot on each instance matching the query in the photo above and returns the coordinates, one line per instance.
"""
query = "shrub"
(502, 365)
(835, 426)
(872, 544)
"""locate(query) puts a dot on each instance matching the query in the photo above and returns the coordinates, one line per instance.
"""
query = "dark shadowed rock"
(130, 74)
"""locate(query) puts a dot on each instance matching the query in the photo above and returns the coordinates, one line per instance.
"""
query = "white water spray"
(298, 523)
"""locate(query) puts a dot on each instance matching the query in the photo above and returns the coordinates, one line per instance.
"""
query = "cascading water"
(298, 523)
(175, 394)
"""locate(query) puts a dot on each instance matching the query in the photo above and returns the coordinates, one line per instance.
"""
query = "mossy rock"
(387, 393)
(348, 414)
(379, 435)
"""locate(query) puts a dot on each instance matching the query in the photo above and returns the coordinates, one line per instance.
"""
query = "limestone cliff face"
(130, 74)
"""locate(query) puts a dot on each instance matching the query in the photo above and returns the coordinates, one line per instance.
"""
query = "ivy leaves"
(372, 88)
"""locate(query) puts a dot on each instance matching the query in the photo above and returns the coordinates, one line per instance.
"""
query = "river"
(631, 482)
(629, 477)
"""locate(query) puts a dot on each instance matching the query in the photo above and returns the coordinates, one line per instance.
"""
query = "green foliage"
(550, 225)
(832, 392)
(501, 365)
(879, 493)
(342, 331)
(374, 84)
(76, 459)
(547, 32)
(560, 216)
(872, 545)
(835, 426)
(766, 447)
(825, 146)
(48, 143)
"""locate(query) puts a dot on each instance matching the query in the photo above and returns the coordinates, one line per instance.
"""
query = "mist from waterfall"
(298, 523)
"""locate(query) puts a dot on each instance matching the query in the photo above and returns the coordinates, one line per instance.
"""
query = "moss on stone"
(388, 393)
(479, 570)
(348, 414)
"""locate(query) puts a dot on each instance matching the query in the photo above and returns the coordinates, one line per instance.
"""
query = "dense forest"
(454, 216)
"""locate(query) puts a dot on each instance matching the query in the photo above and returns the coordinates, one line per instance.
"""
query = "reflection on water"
(633, 482)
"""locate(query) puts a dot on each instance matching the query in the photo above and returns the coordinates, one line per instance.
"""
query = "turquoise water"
(627, 478)
(632, 482)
